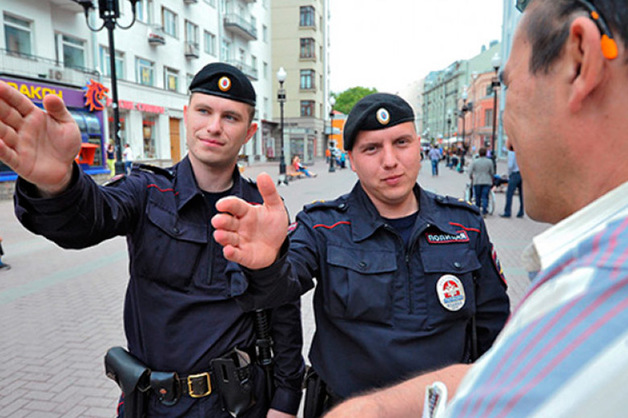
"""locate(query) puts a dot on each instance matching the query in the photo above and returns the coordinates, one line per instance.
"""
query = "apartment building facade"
(300, 46)
(48, 49)
(442, 95)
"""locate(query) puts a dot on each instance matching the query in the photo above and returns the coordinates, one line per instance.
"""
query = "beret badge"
(382, 116)
(224, 84)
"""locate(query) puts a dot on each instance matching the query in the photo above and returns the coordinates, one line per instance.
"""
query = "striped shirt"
(564, 352)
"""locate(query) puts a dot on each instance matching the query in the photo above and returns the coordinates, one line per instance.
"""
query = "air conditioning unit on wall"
(54, 74)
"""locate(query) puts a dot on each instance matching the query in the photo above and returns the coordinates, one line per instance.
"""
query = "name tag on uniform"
(450, 292)
(433, 238)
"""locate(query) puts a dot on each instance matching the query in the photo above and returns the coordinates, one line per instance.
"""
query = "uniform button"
(342, 206)
(457, 265)
(175, 230)
(362, 265)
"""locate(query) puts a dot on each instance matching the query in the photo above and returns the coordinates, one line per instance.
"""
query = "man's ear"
(250, 131)
(584, 54)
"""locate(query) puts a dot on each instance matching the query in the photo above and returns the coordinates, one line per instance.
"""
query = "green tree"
(348, 98)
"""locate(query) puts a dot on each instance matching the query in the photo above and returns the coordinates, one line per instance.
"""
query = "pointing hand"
(252, 235)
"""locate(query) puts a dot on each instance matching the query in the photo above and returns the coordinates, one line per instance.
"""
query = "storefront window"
(148, 130)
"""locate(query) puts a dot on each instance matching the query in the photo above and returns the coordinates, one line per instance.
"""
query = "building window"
(265, 70)
(105, 63)
(307, 107)
(225, 50)
(306, 16)
(191, 33)
(17, 35)
(264, 33)
(145, 72)
(488, 117)
(189, 78)
(73, 52)
(171, 79)
(307, 48)
(212, 3)
(210, 43)
(307, 79)
(144, 11)
(254, 63)
(169, 21)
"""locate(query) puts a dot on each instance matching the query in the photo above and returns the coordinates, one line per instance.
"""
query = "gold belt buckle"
(191, 391)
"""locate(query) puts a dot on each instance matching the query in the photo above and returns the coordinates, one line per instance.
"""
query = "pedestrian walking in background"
(481, 174)
(128, 157)
(3, 265)
(435, 157)
(111, 157)
(514, 183)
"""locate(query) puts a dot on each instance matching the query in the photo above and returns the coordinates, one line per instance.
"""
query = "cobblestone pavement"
(62, 309)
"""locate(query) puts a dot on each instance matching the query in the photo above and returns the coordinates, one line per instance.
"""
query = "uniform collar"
(551, 245)
(365, 219)
(187, 189)
(431, 213)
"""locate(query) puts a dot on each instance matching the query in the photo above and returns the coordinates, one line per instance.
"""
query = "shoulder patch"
(154, 169)
(461, 203)
(338, 204)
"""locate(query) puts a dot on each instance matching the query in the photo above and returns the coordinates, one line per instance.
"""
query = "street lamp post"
(281, 98)
(463, 111)
(332, 102)
(495, 83)
(109, 12)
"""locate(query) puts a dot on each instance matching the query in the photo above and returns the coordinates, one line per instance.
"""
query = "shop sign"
(142, 107)
(95, 93)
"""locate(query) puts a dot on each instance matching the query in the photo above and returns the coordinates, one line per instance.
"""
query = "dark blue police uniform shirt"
(180, 308)
(379, 316)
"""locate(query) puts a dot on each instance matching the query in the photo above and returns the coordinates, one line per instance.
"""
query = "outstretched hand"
(252, 235)
(38, 145)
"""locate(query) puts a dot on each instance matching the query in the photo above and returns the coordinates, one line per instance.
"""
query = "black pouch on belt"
(166, 387)
(232, 377)
(133, 378)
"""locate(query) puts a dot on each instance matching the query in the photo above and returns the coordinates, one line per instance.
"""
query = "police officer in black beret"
(407, 280)
(193, 350)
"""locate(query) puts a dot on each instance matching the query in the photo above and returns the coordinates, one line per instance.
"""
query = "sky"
(388, 44)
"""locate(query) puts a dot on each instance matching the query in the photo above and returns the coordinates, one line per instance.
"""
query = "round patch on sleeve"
(450, 292)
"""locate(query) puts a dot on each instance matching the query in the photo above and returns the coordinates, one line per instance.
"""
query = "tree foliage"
(348, 98)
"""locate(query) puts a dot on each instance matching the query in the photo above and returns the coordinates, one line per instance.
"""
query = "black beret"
(373, 112)
(223, 80)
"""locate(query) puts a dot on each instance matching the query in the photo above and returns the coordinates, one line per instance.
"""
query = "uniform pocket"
(170, 248)
(449, 283)
(360, 284)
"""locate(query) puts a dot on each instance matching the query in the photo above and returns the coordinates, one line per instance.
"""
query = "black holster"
(315, 394)
(231, 375)
(133, 379)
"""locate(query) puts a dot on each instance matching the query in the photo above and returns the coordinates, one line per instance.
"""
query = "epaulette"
(155, 170)
(114, 180)
(339, 204)
(457, 202)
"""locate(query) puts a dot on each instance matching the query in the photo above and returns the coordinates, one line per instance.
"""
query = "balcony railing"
(240, 26)
(156, 35)
(15, 62)
(191, 50)
(248, 70)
